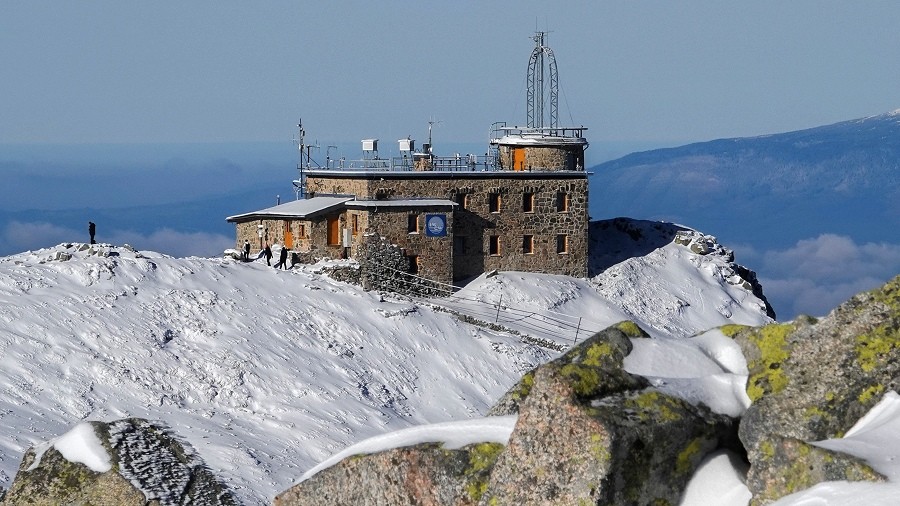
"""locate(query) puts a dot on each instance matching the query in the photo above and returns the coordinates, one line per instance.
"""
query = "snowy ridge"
(266, 373)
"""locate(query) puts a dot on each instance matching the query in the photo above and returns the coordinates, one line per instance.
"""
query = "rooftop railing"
(455, 163)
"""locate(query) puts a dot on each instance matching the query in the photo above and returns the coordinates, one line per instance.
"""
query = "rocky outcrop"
(384, 266)
(416, 475)
(734, 274)
(811, 381)
(594, 368)
(588, 433)
(617, 240)
(144, 464)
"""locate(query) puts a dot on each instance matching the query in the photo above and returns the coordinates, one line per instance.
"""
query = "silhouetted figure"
(295, 259)
(268, 253)
(246, 251)
(282, 259)
(92, 229)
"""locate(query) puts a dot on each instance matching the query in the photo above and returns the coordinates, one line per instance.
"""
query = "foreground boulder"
(587, 432)
(415, 475)
(811, 381)
(590, 433)
(121, 463)
(594, 368)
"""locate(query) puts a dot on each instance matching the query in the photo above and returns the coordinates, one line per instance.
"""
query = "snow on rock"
(131, 461)
(876, 439)
(451, 435)
(719, 481)
(80, 445)
(866, 438)
(716, 377)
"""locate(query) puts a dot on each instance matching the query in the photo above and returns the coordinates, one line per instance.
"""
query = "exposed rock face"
(149, 467)
(594, 368)
(588, 433)
(422, 474)
(384, 266)
(811, 381)
(620, 239)
(736, 274)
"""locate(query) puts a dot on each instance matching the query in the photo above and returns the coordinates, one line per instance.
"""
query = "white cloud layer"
(20, 236)
(816, 275)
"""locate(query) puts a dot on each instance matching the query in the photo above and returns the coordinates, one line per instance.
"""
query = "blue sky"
(84, 82)
(656, 72)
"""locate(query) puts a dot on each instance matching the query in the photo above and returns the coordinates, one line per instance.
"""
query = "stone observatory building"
(522, 206)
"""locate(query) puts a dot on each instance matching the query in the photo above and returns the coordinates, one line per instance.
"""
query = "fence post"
(577, 329)
(497, 318)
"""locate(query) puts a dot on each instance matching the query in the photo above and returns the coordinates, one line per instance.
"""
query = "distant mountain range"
(769, 191)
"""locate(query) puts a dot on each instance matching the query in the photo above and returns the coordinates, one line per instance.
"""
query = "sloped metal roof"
(297, 209)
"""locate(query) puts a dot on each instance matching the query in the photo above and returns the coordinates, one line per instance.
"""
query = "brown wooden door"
(518, 158)
(288, 236)
(334, 231)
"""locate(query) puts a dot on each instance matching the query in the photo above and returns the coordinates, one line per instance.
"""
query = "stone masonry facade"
(307, 236)
(428, 257)
(542, 158)
(504, 220)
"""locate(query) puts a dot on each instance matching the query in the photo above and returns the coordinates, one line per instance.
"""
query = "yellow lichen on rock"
(631, 329)
(766, 372)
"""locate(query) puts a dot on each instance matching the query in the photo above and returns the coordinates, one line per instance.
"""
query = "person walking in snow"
(246, 250)
(282, 259)
(268, 253)
(92, 229)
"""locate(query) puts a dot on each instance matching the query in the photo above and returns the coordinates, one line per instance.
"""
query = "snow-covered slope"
(268, 372)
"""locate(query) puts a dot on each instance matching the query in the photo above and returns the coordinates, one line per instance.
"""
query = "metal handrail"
(543, 324)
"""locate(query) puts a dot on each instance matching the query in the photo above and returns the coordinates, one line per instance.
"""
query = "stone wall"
(309, 236)
(435, 260)
(328, 186)
(383, 266)
(474, 224)
(544, 158)
(539, 237)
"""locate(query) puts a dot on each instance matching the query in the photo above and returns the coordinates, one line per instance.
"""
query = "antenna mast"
(542, 61)
(300, 184)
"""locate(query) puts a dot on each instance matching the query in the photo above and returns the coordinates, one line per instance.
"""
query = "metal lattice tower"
(541, 61)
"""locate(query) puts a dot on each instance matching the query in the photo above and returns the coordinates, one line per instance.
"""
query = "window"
(562, 202)
(494, 202)
(412, 224)
(414, 264)
(463, 200)
(459, 245)
(528, 244)
(355, 222)
(528, 202)
(301, 230)
(494, 246)
(562, 244)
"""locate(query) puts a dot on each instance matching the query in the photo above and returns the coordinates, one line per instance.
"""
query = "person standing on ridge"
(268, 253)
(246, 250)
(92, 229)
(282, 259)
